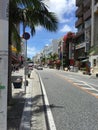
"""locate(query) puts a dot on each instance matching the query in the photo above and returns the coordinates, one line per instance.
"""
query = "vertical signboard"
(71, 50)
(3, 62)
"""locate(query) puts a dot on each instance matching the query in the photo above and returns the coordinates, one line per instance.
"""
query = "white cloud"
(61, 7)
(31, 51)
(38, 28)
(66, 28)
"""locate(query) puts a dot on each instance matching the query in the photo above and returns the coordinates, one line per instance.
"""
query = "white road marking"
(79, 83)
(49, 113)
(87, 86)
(95, 94)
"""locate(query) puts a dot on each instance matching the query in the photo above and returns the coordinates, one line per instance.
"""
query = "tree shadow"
(16, 109)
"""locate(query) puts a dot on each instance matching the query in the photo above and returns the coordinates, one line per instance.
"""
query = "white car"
(39, 68)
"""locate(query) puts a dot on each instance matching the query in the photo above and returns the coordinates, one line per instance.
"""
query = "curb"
(26, 116)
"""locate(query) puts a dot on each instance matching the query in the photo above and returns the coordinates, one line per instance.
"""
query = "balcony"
(79, 11)
(78, 2)
(79, 22)
(78, 34)
(87, 14)
(87, 3)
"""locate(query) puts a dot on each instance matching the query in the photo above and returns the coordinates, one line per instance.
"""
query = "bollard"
(96, 74)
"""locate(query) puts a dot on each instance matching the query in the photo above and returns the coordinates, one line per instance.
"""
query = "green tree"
(31, 13)
(55, 56)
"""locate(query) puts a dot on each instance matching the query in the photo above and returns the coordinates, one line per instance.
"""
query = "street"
(73, 99)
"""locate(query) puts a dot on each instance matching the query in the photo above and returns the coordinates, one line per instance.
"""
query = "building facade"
(87, 32)
(83, 25)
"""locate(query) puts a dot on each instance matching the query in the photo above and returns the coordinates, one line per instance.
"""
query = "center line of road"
(48, 109)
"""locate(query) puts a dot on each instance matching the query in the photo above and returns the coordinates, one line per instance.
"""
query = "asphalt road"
(73, 99)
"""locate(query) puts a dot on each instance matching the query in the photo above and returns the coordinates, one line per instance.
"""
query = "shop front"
(94, 64)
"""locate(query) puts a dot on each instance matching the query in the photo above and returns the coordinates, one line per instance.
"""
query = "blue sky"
(65, 11)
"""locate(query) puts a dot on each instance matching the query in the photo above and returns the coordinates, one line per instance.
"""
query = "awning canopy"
(14, 59)
(85, 60)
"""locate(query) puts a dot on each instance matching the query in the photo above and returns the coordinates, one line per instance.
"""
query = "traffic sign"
(26, 35)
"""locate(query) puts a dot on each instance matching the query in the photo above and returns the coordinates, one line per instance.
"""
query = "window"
(87, 23)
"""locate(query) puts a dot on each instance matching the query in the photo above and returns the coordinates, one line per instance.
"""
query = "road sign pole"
(25, 64)
(26, 36)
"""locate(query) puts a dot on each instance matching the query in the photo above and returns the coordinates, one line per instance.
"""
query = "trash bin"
(71, 68)
(17, 83)
(75, 69)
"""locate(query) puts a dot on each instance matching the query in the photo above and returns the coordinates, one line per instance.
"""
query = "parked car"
(39, 68)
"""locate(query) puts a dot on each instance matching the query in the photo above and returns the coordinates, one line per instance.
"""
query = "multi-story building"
(83, 25)
(87, 32)
(94, 37)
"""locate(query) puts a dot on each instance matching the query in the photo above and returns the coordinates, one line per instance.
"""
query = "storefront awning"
(84, 60)
(14, 59)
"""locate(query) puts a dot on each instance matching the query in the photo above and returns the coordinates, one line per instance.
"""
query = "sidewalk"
(27, 111)
(33, 117)
(15, 109)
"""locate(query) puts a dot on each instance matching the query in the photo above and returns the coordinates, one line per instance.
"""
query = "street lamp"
(26, 36)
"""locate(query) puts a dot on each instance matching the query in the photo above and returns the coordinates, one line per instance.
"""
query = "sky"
(65, 12)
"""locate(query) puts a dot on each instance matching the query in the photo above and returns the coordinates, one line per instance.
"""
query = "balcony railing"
(87, 3)
(79, 11)
(87, 14)
(78, 2)
(78, 34)
(79, 22)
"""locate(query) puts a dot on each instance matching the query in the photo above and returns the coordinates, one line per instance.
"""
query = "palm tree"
(31, 13)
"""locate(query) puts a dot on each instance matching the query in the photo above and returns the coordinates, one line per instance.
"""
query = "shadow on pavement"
(15, 113)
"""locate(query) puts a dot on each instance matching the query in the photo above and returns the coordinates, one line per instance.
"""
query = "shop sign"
(81, 45)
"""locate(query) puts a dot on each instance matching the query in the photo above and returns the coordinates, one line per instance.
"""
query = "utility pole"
(3, 62)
